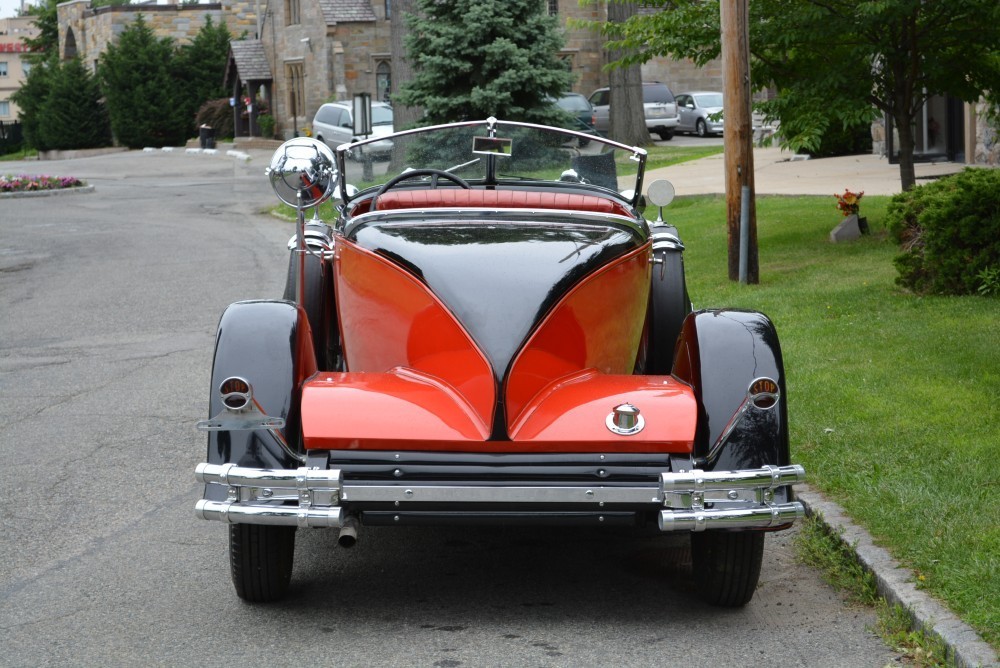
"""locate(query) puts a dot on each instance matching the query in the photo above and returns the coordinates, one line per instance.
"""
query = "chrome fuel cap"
(625, 420)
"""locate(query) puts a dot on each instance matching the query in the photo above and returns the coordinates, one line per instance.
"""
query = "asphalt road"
(108, 306)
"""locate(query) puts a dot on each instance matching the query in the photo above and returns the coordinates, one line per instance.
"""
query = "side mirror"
(303, 171)
(660, 193)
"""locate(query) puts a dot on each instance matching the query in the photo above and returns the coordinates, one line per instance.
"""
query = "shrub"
(949, 232)
(217, 114)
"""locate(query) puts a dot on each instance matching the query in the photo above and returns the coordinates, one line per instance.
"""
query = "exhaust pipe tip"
(348, 532)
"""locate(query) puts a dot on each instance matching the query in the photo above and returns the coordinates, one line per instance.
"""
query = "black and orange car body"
(497, 336)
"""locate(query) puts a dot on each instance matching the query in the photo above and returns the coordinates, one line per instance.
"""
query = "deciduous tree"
(842, 62)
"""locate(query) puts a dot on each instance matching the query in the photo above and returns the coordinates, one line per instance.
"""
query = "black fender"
(268, 343)
(669, 303)
(720, 354)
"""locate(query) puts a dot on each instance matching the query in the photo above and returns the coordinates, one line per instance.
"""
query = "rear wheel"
(727, 565)
(665, 135)
(260, 560)
(701, 128)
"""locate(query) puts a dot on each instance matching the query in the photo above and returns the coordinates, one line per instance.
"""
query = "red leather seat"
(503, 199)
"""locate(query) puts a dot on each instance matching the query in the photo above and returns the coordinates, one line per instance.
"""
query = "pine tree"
(141, 92)
(485, 58)
(72, 115)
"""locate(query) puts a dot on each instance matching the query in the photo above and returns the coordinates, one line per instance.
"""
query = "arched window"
(70, 51)
(383, 81)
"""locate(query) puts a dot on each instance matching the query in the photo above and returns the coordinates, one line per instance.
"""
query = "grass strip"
(834, 559)
(894, 399)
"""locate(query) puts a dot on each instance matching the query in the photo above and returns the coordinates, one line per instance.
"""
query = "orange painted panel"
(390, 319)
(402, 409)
(597, 325)
(573, 410)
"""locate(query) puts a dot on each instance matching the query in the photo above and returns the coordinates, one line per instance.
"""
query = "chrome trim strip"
(423, 492)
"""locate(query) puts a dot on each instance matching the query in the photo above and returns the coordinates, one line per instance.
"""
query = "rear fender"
(269, 344)
(721, 354)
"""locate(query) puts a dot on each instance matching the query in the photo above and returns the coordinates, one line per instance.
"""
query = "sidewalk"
(777, 173)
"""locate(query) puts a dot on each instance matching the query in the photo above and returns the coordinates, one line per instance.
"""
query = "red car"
(496, 336)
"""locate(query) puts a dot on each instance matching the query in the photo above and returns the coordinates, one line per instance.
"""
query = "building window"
(26, 67)
(3, 68)
(296, 78)
(4, 108)
(291, 12)
(388, 9)
(553, 7)
(383, 81)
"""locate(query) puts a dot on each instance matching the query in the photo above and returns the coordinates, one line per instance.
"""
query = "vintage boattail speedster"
(493, 335)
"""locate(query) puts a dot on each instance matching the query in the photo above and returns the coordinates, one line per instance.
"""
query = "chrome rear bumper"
(686, 501)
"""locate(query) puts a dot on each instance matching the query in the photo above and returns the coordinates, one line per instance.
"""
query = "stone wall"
(684, 75)
(987, 137)
(86, 32)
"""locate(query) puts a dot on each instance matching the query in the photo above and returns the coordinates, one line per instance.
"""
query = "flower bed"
(25, 183)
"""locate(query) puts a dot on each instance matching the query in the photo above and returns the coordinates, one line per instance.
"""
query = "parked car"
(333, 124)
(700, 113)
(580, 108)
(660, 109)
(494, 334)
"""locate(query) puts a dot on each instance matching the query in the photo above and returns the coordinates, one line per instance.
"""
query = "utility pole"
(738, 137)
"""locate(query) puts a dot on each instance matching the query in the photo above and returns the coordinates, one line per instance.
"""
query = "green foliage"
(30, 99)
(989, 282)
(266, 123)
(913, 379)
(201, 66)
(488, 58)
(218, 115)
(72, 116)
(837, 64)
(949, 231)
(835, 559)
(141, 92)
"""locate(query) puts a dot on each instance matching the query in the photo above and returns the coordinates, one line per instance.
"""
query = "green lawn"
(894, 399)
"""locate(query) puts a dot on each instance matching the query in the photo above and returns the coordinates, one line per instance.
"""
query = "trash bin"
(206, 135)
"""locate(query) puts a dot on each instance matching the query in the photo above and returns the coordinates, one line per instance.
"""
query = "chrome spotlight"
(303, 172)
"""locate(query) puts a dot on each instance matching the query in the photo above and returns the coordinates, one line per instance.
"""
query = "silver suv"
(334, 125)
(661, 109)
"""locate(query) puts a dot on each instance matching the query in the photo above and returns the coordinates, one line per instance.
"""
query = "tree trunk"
(403, 117)
(626, 115)
(904, 128)
(402, 69)
(738, 137)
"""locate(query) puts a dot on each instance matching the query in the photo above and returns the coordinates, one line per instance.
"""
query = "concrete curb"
(79, 190)
(894, 583)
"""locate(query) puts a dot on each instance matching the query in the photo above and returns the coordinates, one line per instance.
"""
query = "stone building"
(86, 31)
(13, 68)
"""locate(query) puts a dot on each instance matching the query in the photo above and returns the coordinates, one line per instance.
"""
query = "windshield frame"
(491, 124)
